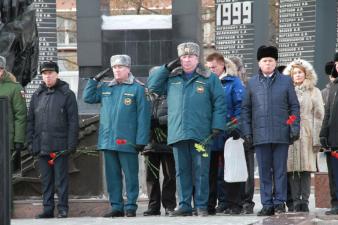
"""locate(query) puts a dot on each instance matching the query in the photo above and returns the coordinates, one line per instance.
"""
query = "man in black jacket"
(52, 131)
(328, 136)
(157, 152)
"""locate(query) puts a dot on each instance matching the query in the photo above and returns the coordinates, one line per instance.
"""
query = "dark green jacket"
(195, 106)
(17, 110)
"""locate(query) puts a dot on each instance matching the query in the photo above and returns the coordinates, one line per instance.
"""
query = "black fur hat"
(267, 51)
(49, 66)
(329, 67)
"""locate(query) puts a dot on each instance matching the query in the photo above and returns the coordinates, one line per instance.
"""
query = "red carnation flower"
(121, 141)
(234, 120)
(291, 120)
(52, 155)
(51, 162)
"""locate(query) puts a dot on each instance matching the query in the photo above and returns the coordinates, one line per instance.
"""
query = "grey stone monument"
(307, 30)
(241, 29)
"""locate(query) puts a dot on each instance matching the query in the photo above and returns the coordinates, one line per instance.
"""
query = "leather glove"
(139, 148)
(324, 142)
(248, 141)
(293, 138)
(173, 64)
(235, 134)
(101, 75)
(18, 147)
(215, 132)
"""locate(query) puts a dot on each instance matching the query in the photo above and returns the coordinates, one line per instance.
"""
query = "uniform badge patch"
(127, 101)
(200, 89)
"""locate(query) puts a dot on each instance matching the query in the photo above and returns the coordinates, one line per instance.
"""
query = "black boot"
(180, 212)
(266, 211)
(45, 215)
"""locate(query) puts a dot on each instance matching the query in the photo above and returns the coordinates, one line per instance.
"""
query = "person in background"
(328, 135)
(52, 135)
(269, 102)
(229, 198)
(247, 189)
(196, 112)
(303, 152)
(158, 153)
(123, 133)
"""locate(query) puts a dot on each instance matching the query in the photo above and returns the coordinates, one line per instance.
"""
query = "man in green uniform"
(17, 112)
(124, 131)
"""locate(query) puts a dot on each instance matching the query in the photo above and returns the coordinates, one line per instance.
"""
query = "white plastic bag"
(235, 169)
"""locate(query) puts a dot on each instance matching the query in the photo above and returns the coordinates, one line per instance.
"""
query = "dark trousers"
(300, 184)
(54, 175)
(248, 189)
(216, 182)
(334, 167)
(153, 181)
(272, 166)
(334, 199)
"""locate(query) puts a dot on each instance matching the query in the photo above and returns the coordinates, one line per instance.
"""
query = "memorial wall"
(235, 30)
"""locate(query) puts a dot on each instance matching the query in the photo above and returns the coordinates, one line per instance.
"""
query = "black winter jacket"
(266, 107)
(330, 123)
(53, 123)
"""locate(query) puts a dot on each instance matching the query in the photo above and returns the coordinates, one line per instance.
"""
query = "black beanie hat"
(329, 67)
(49, 66)
(267, 51)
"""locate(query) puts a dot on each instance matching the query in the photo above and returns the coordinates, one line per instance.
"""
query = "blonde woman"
(302, 153)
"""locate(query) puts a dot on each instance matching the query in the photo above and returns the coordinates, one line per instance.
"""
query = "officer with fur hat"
(52, 128)
(196, 109)
(328, 134)
(270, 100)
(124, 131)
(17, 112)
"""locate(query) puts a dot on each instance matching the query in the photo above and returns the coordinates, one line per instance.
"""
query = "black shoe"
(248, 208)
(180, 212)
(202, 212)
(298, 207)
(168, 211)
(291, 208)
(266, 211)
(333, 211)
(220, 209)
(280, 208)
(235, 211)
(130, 213)
(62, 214)
(150, 212)
(227, 211)
(211, 211)
(116, 213)
(45, 215)
(305, 207)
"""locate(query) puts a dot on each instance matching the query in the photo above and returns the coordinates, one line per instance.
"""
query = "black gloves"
(173, 64)
(215, 132)
(248, 141)
(324, 142)
(18, 147)
(139, 148)
(235, 134)
(293, 137)
(101, 75)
